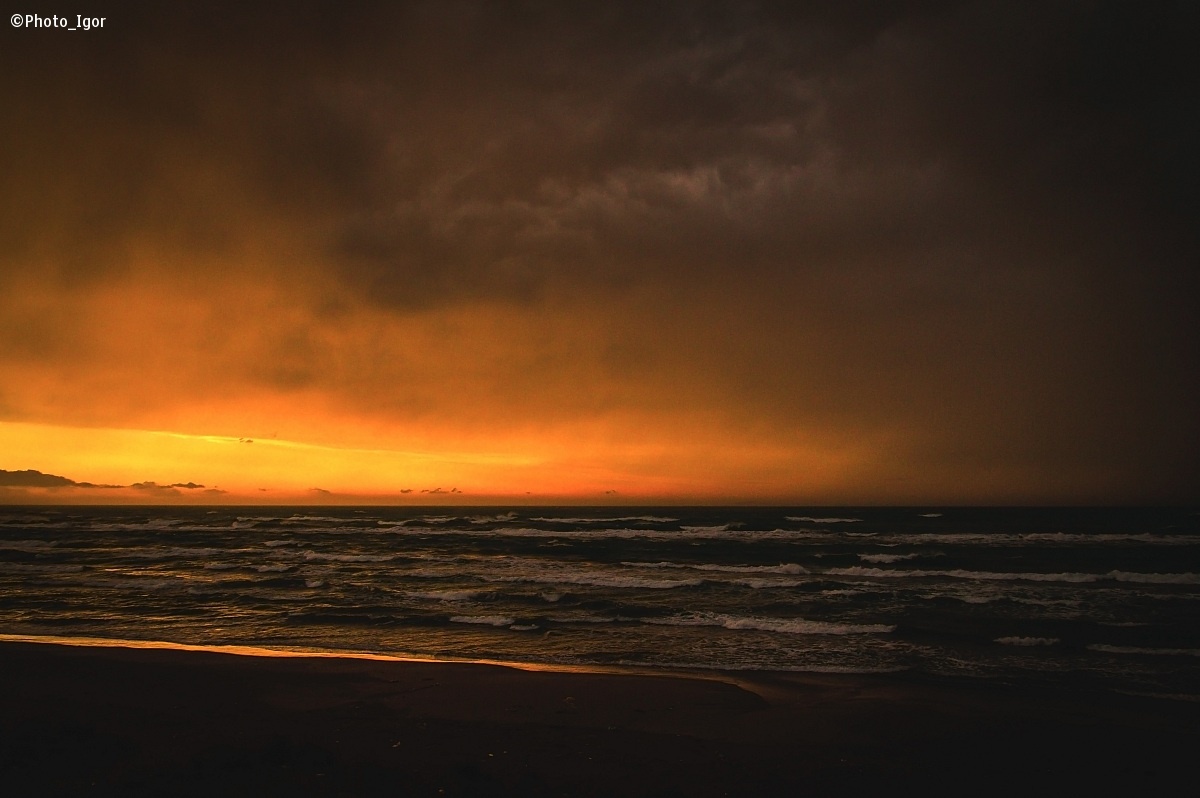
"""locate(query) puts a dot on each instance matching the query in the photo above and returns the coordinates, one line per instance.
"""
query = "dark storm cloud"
(442, 150)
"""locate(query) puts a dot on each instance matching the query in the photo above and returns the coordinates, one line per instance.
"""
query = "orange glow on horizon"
(266, 470)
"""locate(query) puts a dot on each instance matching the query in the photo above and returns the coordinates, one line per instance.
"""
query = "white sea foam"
(491, 519)
(274, 568)
(488, 620)
(523, 627)
(1168, 652)
(792, 626)
(810, 519)
(1027, 641)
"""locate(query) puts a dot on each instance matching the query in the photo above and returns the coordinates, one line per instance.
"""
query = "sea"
(1099, 598)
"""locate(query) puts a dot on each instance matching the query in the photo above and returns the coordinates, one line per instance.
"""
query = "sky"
(610, 252)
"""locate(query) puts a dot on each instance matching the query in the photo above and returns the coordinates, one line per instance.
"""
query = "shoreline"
(300, 652)
(101, 719)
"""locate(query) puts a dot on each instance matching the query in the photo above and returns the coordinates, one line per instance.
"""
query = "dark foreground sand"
(113, 721)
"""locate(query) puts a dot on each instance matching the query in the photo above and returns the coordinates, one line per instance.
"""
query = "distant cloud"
(149, 485)
(319, 490)
(33, 479)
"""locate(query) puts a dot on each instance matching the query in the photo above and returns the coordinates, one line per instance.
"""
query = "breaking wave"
(1077, 578)
(791, 626)
(810, 519)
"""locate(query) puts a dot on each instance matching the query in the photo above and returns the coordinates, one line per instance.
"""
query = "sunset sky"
(641, 252)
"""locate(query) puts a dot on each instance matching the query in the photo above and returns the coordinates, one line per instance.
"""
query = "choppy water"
(1106, 597)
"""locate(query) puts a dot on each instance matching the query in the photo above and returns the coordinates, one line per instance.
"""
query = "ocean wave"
(599, 580)
(888, 558)
(446, 595)
(164, 554)
(625, 519)
(1155, 579)
(314, 556)
(1075, 578)
(782, 568)
(307, 519)
(28, 546)
(792, 626)
(492, 519)
(774, 667)
(1027, 641)
(810, 519)
(687, 533)
(39, 568)
(488, 620)
(580, 618)
(768, 584)
(1159, 652)
(1002, 539)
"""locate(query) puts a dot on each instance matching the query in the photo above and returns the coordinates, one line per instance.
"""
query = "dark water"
(1100, 597)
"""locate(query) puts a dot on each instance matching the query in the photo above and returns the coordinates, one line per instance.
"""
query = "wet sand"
(119, 721)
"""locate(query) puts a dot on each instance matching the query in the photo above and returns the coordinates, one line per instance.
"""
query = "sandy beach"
(118, 721)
